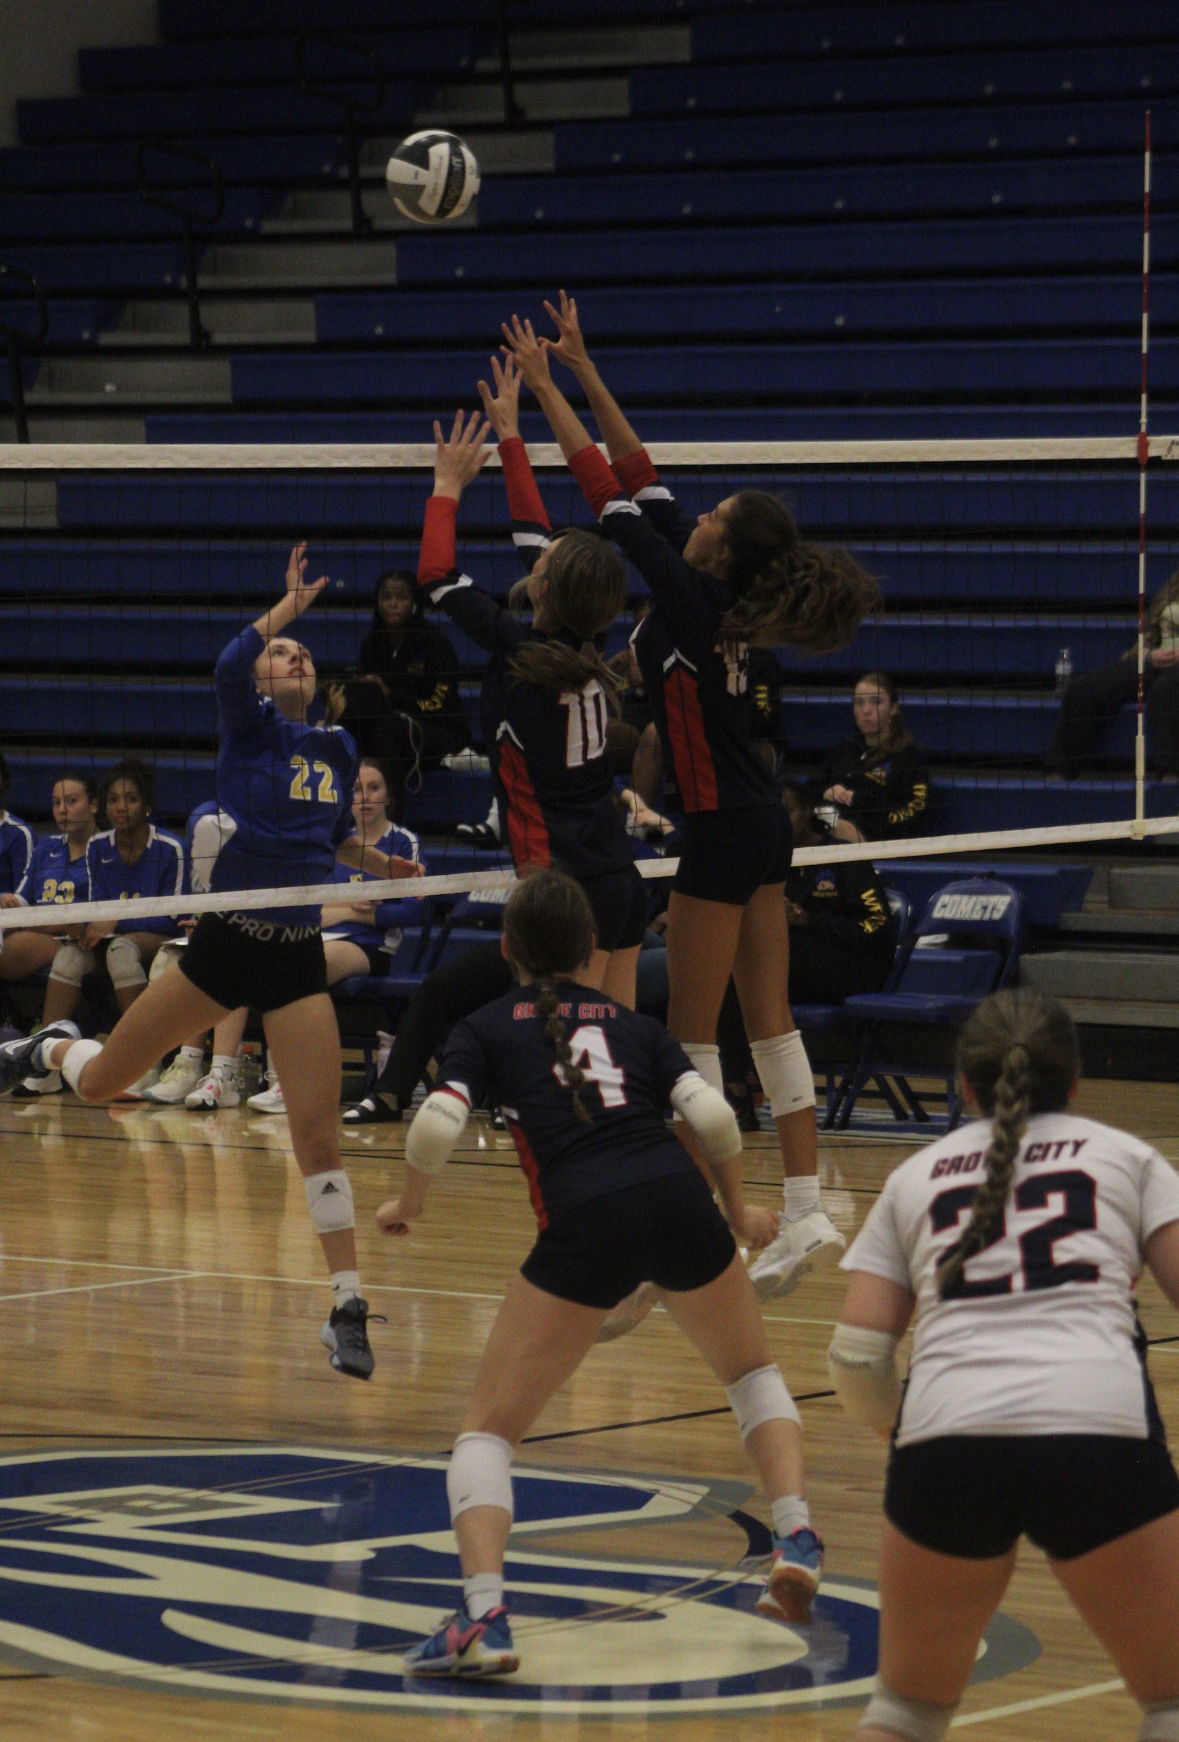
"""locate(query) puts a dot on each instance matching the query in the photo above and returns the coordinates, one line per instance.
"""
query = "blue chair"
(965, 945)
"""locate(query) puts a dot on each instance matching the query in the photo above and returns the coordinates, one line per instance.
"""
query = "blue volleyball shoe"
(465, 1647)
(21, 1058)
(793, 1578)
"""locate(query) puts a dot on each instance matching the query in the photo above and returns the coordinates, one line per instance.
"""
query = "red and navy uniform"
(631, 1065)
(548, 753)
(699, 687)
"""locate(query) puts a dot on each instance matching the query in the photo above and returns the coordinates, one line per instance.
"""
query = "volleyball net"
(1009, 570)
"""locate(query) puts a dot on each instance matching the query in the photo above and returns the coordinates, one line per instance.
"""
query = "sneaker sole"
(789, 1595)
(460, 1669)
(772, 1282)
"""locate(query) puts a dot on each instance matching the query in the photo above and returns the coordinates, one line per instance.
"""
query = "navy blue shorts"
(619, 901)
(728, 855)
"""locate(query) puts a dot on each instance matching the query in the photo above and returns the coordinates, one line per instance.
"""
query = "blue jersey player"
(16, 841)
(737, 577)
(285, 785)
(546, 691)
(584, 1084)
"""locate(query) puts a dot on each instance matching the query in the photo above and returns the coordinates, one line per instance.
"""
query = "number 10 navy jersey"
(630, 1063)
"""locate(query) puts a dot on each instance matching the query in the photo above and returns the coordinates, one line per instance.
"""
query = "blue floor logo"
(304, 1575)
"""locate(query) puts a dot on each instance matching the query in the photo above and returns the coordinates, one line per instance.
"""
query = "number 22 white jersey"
(1040, 1336)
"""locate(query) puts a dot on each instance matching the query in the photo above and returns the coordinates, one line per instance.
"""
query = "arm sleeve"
(877, 1247)
(667, 575)
(171, 879)
(463, 1067)
(405, 910)
(443, 706)
(860, 917)
(96, 883)
(1160, 1194)
(640, 480)
(26, 888)
(484, 620)
(531, 529)
(906, 799)
(238, 703)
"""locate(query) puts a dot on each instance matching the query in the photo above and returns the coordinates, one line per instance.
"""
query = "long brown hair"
(549, 933)
(787, 589)
(586, 584)
(1018, 1051)
(899, 734)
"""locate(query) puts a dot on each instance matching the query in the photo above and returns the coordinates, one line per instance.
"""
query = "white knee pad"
(706, 1059)
(761, 1396)
(71, 964)
(165, 956)
(1161, 1723)
(329, 1198)
(785, 1073)
(918, 1720)
(479, 1474)
(76, 1060)
(123, 963)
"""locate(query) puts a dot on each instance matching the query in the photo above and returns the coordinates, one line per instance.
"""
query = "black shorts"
(667, 1231)
(619, 901)
(975, 1496)
(728, 855)
(234, 966)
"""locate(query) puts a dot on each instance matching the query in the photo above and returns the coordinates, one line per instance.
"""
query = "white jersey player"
(1017, 1241)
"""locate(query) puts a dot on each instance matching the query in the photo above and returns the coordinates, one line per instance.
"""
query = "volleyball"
(432, 177)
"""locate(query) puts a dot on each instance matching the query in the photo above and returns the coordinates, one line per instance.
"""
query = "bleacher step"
(1102, 921)
(143, 378)
(286, 321)
(520, 152)
(1113, 1013)
(335, 264)
(26, 502)
(1137, 976)
(49, 426)
(542, 50)
(312, 210)
(1139, 887)
(601, 99)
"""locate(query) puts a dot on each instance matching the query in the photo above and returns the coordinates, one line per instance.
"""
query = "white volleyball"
(433, 177)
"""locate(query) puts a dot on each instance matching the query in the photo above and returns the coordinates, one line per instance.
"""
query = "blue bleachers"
(281, 158)
(109, 216)
(244, 109)
(266, 61)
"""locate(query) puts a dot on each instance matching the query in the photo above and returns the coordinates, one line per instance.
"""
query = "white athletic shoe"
(628, 1313)
(269, 1100)
(218, 1089)
(181, 1075)
(813, 1239)
(138, 1091)
(52, 1084)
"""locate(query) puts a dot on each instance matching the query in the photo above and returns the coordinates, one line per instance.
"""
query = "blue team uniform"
(285, 788)
(631, 1065)
(53, 876)
(385, 933)
(159, 870)
(16, 852)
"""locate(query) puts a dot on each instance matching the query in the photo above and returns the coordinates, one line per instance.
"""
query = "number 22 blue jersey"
(631, 1065)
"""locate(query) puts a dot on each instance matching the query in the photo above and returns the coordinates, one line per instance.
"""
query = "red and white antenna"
(1143, 457)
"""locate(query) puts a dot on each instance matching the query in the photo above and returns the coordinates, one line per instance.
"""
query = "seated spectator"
(404, 706)
(16, 842)
(57, 876)
(131, 858)
(361, 937)
(1092, 699)
(877, 781)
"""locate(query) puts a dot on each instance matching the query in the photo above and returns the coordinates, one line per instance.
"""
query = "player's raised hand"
(531, 353)
(459, 457)
(502, 408)
(301, 591)
(570, 346)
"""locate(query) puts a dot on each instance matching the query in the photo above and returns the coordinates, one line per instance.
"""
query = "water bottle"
(1064, 670)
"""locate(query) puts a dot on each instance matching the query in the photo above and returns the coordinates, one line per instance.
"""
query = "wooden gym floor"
(160, 1289)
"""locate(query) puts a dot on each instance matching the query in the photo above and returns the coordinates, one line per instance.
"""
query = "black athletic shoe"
(478, 834)
(16, 1056)
(346, 1335)
(373, 1110)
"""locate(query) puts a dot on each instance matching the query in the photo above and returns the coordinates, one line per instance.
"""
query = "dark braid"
(1019, 1053)
(549, 933)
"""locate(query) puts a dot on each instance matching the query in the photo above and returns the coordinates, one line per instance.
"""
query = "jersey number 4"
(1078, 1194)
(591, 1055)
(305, 777)
(585, 729)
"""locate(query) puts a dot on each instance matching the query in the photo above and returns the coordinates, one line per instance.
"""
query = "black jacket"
(890, 798)
(846, 905)
(420, 675)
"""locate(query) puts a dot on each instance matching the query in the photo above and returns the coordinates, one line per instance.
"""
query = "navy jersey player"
(545, 691)
(738, 576)
(285, 785)
(1016, 1244)
(585, 1084)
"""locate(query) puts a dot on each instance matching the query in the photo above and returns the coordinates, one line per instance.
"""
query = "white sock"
(800, 1196)
(345, 1286)
(790, 1512)
(225, 1064)
(196, 1053)
(482, 1592)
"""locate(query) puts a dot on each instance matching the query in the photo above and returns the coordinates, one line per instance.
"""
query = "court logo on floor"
(303, 1575)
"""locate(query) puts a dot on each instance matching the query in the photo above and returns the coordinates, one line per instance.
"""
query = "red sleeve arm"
(437, 556)
(524, 501)
(598, 483)
(635, 472)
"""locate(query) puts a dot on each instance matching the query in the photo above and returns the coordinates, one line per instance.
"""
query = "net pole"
(1143, 457)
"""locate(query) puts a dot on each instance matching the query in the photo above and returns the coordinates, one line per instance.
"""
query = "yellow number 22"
(304, 779)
